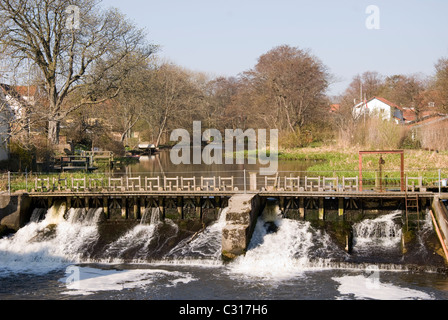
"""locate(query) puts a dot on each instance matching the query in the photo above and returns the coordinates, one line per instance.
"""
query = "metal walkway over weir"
(131, 195)
(287, 185)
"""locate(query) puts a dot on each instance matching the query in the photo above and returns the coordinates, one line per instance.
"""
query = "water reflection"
(161, 163)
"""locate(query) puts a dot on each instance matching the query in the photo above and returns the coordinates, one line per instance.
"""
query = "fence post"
(26, 179)
(440, 182)
(9, 183)
(245, 187)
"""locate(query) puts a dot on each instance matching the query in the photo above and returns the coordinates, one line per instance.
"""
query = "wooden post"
(253, 181)
(135, 209)
(106, 207)
(180, 207)
(321, 209)
(341, 207)
(123, 208)
(198, 208)
(86, 203)
(217, 206)
(161, 208)
(142, 206)
(302, 207)
(282, 204)
(360, 172)
(69, 203)
(402, 172)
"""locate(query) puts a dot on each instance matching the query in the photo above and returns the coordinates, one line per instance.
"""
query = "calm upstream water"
(51, 258)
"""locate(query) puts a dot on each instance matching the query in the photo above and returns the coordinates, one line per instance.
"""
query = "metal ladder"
(412, 202)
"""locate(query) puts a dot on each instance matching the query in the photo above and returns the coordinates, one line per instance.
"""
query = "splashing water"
(151, 216)
(50, 244)
(204, 247)
(382, 232)
(295, 247)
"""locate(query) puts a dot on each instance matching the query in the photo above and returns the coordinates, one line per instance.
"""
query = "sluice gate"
(319, 200)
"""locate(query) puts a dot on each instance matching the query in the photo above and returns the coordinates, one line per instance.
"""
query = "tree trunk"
(162, 127)
(54, 127)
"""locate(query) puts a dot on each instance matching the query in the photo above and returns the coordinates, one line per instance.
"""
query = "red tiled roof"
(430, 120)
(387, 102)
(23, 90)
(335, 107)
(409, 115)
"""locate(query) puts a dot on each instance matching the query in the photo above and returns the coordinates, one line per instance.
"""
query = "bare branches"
(70, 59)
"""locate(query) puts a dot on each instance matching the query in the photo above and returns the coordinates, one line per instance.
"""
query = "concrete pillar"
(242, 217)
(15, 210)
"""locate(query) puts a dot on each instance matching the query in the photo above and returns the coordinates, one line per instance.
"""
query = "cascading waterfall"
(281, 248)
(381, 232)
(150, 216)
(134, 244)
(378, 240)
(51, 242)
(37, 215)
(204, 247)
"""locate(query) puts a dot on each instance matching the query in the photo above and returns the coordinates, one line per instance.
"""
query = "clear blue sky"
(226, 37)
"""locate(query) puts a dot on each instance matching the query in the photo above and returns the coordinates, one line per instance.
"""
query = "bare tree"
(175, 100)
(403, 90)
(75, 44)
(364, 86)
(292, 84)
(441, 85)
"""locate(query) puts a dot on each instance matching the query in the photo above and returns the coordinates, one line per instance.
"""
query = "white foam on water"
(205, 246)
(88, 281)
(48, 245)
(140, 236)
(279, 255)
(367, 288)
(380, 232)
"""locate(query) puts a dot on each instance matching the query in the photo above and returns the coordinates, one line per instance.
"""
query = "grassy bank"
(338, 162)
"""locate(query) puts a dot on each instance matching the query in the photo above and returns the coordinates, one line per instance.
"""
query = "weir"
(181, 200)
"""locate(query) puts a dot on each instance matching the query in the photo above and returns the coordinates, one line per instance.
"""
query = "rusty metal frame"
(401, 152)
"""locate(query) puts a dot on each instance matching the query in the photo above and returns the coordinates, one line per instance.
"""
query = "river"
(49, 259)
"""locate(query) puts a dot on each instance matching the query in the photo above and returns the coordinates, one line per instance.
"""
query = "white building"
(380, 107)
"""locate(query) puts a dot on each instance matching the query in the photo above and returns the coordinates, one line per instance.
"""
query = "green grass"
(331, 162)
(324, 162)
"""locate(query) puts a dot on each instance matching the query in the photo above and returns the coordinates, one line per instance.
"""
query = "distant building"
(382, 108)
(19, 98)
(431, 132)
(334, 108)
